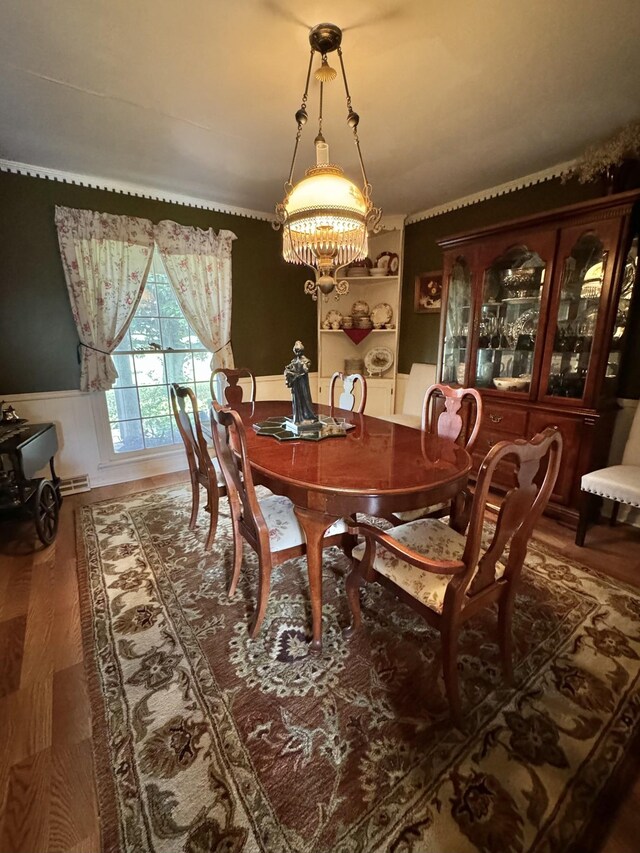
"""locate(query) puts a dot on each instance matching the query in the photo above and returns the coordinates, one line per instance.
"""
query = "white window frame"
(108, 455)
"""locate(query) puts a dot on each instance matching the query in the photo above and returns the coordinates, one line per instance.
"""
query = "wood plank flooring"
(47, 792)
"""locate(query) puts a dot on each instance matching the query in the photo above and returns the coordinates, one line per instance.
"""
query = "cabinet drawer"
(490, 435)
(497, 416)
(504, 474)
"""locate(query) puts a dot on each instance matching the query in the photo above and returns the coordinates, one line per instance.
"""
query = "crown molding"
(502, 189)
(127, 188)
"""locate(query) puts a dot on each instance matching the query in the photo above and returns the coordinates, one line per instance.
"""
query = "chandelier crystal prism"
(325, 217)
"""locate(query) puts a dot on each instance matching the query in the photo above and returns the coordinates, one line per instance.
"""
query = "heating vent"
(73, 485)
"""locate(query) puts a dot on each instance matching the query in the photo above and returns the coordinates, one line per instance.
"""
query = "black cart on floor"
(26, 449)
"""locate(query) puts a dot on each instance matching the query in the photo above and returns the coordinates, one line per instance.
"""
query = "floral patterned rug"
(208, 741)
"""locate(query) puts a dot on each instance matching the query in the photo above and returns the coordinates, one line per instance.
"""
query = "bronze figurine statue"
(296, 375)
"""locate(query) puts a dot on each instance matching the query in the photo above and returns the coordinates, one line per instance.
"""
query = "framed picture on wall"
(428, 293)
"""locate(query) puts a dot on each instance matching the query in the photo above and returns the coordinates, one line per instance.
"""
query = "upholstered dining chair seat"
(284, 528)
(432, 538)
(413, 514)
(618, 482)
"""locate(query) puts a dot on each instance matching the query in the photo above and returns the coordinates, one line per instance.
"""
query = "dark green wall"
(38, 339)
(419, 332)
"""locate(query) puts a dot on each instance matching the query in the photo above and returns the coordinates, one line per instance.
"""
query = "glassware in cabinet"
(576, 332)
(508, 320)
(456, 333)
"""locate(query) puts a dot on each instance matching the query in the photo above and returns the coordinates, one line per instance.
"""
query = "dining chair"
(447, 424)
(203, 470)
(225, 388)
(268, 524)
(619, 483)
(347, 398)
(448, 577)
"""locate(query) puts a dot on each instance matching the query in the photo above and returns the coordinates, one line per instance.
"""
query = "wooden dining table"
(377, 468)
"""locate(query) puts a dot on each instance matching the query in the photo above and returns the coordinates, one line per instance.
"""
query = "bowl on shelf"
(378, 271)
(512, 383)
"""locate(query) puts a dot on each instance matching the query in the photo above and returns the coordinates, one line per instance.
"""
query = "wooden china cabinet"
(535, 316)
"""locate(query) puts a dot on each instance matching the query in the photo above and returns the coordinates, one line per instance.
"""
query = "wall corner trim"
(492, 192)
(128, 188)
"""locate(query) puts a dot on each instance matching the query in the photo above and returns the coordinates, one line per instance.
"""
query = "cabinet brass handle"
(495, 418)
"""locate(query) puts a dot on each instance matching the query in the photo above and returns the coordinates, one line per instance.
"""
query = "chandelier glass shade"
(326, 217)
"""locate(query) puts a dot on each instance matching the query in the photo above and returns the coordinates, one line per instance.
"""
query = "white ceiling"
(198, 96)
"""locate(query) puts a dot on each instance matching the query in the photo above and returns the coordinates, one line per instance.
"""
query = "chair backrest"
(231, 450)
(190, 428)
(421, 376)
(520, 509)
(347, 398)
(225, 388)
(631, 454)
(449, 422)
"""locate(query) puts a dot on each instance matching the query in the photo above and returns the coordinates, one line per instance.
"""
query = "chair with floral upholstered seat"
(203, 470)
(268, 524)
(448, 577)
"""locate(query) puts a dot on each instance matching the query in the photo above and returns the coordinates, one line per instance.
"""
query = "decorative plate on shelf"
(360, 309)
(381, 313)
(333, 316)
(394, 264)
(378, 360)
(382, 262)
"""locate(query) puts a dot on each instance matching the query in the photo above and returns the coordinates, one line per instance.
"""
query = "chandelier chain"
(320, 113)
(354, 128)
(303, 111)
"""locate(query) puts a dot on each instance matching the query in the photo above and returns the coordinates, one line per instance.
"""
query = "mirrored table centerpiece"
(284, 429)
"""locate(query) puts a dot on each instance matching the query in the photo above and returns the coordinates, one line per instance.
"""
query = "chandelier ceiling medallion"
(325, 217)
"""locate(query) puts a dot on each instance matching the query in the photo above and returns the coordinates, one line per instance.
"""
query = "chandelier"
(325, 217)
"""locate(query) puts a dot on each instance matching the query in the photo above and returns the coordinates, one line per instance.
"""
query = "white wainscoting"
(83, 450)
(84, 446)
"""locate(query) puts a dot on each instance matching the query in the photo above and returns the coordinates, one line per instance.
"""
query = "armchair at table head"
(347, 397)
(268, 524)
(449, 588)
(225, 388)
(203, 470)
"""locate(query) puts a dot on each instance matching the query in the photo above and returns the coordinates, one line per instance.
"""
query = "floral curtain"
(198, 264)
(106, 260)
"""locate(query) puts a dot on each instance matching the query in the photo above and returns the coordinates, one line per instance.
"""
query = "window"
(159, 348)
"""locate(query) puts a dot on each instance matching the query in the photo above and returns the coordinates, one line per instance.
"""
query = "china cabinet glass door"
(576, 335)
(456, 334)
(512, 293)
(618, 340)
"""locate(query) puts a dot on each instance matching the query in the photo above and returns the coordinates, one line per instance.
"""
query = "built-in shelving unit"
(335, 346)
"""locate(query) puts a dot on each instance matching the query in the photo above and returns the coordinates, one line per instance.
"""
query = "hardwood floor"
(47, 793)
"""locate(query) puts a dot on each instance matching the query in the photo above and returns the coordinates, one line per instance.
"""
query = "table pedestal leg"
(315, 525)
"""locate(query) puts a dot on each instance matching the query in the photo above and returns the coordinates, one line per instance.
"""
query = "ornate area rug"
(208, 741)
